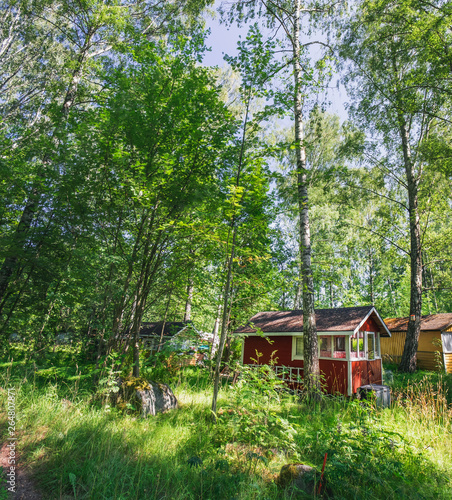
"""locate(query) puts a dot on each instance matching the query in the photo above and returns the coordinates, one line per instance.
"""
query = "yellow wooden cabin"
(434, 351)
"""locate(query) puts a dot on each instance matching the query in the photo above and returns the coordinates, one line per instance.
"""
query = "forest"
(140, 185)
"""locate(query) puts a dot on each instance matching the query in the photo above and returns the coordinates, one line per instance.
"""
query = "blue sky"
(223, 40)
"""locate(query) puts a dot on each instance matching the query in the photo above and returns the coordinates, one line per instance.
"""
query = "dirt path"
(25, 488)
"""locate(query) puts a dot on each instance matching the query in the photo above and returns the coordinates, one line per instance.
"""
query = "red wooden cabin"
(349, 345)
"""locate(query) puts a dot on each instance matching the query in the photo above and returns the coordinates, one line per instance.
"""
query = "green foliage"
(368, 455)
(3, 485)
(251, 417)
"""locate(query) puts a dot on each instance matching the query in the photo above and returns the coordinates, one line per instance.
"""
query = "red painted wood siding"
(334, 370)
(365, 372)
(369, 326)
(336, 376)
(282, 345)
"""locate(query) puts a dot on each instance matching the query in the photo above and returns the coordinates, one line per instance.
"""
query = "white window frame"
(377, 351)
(362, 355)
(346, 345)
(333, 342)
(294, 347)
(331, 337)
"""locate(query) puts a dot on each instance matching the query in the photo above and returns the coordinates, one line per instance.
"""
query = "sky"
(223, 40)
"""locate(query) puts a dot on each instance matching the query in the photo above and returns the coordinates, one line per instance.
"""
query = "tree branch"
(380, 235)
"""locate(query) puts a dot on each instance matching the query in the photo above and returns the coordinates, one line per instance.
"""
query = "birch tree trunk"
(187, 313)
(311, 356)
(408, 362)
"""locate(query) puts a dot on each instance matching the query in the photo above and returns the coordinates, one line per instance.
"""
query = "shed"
(434, 350)
(178, 333)
(349, 345)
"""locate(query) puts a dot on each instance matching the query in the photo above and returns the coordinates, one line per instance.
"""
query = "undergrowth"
(80, 446)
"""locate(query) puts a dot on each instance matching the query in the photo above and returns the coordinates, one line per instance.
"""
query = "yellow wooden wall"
(392, 349)
(393, 346)
(448, 360)
(426, 342)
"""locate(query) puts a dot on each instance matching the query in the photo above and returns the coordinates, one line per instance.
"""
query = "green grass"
(89, 450)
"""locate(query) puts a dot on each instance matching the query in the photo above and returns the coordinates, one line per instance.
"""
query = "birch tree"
(291, 21)
(392, 84)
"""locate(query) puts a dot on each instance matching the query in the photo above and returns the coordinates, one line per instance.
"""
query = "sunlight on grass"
(72, 439)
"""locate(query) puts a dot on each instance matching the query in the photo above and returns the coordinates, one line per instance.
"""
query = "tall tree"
(50, 54)
(396, 101)
(164, 152)
(254, 57)
(292, 18)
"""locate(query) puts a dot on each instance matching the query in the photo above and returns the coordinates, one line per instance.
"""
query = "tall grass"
(79, 447)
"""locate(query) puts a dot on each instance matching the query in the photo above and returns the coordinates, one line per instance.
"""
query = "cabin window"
(357, 347)
(297, 347)
(447, 342)
(332, 347)
(371, 346)
(339, 347)
(325, 347)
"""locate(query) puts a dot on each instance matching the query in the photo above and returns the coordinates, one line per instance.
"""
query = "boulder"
(299, 476)
(156, 398)
(152, 397)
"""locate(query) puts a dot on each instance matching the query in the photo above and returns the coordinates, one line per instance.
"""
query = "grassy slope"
(82, 448)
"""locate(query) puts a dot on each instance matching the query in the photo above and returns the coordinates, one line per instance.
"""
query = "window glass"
(339, 343)
(357, 347)
(325, 347)
(299, 346)
(339, 347)
(370, 346)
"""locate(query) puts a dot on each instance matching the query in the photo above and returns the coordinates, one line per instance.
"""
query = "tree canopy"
(140, 185)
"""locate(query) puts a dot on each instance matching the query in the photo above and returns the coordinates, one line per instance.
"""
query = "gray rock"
(158, 398)
(299, 476)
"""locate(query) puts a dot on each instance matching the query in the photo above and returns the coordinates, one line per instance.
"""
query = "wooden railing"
(286, 373)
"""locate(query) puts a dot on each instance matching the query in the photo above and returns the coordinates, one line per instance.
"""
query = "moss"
(287, 475)
(298, 476)
(127, 399)
(136, 383)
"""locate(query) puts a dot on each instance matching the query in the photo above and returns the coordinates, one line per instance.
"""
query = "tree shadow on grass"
(178, 455)
(97, 460)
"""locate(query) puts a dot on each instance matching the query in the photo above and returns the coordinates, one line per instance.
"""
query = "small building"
(348, 338)
(178, 335)
(156, 334)
(159, 333)
(434, 350)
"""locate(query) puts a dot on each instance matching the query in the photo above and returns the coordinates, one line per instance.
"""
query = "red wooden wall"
(336, 375)
(370, 326)
(366, 372)
(334, 370)
(282, 346)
